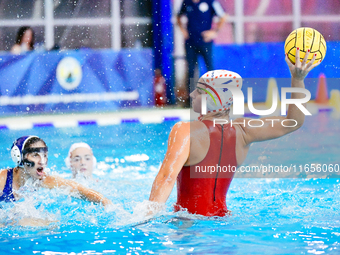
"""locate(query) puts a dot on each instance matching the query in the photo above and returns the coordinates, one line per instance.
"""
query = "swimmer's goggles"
(35, 149)
(39, 150)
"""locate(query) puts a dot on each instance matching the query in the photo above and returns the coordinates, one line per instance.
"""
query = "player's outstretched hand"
(300, 70)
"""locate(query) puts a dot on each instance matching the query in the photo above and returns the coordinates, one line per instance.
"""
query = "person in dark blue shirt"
(198, 33)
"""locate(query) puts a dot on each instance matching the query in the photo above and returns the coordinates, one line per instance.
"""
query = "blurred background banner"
(107, 80)
(249, 42)
(84, 80)
(265, 60)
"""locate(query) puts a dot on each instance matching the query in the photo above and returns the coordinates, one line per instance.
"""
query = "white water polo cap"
(76, 146)
(219, 97)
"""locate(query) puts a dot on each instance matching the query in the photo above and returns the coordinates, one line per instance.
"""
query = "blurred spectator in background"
(80, 160)
(159, 88)
(24, 40)
(198, 33)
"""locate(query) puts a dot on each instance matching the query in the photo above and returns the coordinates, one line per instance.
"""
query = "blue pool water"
(269, 215)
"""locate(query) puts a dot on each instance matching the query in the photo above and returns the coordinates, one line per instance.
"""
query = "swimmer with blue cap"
(30, 154)
(202, 156)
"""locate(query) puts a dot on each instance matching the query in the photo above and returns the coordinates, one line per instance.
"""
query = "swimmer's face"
(196, 97)
(39, 159)
(27, 37)
(82, 162)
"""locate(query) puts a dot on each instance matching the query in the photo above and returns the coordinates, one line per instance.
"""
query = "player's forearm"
(89, 194)
(293, 111)
(93, 196)
(161, 189)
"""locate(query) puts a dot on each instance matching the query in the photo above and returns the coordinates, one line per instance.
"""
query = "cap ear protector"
(17, 150)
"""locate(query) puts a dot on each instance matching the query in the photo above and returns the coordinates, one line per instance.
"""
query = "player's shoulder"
(181, 127)
(3, 177)
(3, 172)
(183, 130)
(191, 128)
(188, 125)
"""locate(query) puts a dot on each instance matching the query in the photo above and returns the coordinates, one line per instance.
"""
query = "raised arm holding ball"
(200, 144)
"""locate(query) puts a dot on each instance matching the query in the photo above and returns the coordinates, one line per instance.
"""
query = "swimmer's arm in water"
(272, 127)
(91, 195)
(175, 158)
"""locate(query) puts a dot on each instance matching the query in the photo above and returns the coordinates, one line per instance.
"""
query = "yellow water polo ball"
(305, 38)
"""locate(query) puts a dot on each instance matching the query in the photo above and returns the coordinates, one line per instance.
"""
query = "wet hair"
(32, 141)
(21, 33)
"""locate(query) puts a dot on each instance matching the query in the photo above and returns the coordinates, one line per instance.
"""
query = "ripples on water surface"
(280, 216)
